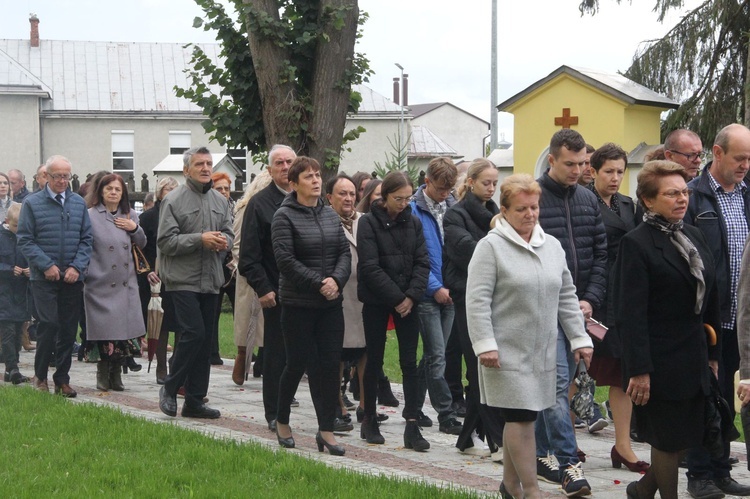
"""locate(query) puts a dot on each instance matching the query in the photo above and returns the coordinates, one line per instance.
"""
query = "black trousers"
(10, 336)
(454, 366)
(487, 421)
(407, 331)
(274, 360)
(59, 307)
(313, 339)
(195, 314)
(700, 463)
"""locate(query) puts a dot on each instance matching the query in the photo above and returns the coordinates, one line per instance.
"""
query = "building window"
(239, 156)
(123, 145)
(179, 141)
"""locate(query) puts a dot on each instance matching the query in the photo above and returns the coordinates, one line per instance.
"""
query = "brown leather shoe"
(40, 385)
(65, 390)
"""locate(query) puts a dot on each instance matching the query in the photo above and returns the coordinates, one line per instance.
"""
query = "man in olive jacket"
(195, 227)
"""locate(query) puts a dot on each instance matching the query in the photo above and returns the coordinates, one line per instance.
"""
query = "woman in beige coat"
(248, 319)
(519, 273)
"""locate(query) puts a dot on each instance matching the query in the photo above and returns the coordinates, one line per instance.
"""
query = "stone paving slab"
(243, 420)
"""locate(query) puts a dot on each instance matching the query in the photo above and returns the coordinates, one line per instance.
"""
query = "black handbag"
(719, 422)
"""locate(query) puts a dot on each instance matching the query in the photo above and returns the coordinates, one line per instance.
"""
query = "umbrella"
(155, 317)
(582, 403)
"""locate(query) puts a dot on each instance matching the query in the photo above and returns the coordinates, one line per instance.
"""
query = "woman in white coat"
(519, 273)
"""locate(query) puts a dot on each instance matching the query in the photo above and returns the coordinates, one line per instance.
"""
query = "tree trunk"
(331, 89)
(278, 99)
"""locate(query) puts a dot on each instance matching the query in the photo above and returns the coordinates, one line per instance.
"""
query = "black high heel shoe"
(287, 443)
(131, 364)
(334, 450)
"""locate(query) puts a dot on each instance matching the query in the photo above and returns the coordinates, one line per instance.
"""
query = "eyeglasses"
(399, 199)
(222, 189)
(674, 193)
(692, 156)
(59, 176)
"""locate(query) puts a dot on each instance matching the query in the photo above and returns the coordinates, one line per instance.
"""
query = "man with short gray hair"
(195, 227)
(257, 264)
(18, 185)
(54, 234)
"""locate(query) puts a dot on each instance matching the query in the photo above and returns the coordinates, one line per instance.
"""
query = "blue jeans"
(554, 431)
(436, 323)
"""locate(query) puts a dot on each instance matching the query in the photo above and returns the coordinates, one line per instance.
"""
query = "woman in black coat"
(465, 223)
(608, 164)
(393, 268)
(312, 254)
(664, 291)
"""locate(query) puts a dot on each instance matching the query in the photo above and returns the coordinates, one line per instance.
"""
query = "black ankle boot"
(370, 431)
(413, 438)
(385, 394)
(131, 364)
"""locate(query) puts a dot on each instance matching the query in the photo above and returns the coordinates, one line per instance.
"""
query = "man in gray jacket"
(194, 229)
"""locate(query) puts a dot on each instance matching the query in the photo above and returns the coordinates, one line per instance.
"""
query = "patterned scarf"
(614, 202)
(348, 222)
(685, 247)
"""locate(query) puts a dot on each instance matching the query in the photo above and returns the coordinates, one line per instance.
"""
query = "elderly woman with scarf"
(664, 290)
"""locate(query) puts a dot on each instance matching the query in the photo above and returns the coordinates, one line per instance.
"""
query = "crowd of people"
(317, 275)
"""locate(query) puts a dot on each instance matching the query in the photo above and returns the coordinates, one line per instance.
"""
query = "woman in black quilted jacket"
(393, 269)
(314, 263)
(465, 223)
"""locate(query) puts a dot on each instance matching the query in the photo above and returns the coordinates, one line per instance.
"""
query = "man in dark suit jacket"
(257, 264)
(720, 208)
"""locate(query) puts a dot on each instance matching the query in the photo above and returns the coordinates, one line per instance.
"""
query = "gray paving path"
(242, 419)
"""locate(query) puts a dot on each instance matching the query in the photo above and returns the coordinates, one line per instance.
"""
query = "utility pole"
(401, 103)
(493, 80)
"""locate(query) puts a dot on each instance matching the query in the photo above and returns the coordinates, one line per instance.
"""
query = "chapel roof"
(613, 84)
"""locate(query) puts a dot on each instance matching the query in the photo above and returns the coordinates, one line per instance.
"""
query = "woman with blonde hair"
(465, 224)
(520, 275)
(248, 319)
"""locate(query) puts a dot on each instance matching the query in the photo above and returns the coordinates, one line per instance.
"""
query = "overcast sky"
(443, 45)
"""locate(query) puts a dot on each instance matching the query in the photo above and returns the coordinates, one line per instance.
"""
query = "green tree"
(701, 62)
(284, 75)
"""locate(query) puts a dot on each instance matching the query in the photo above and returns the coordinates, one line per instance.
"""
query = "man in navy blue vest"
(54, 234)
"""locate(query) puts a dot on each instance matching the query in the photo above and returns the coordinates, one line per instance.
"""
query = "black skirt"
(672, 425)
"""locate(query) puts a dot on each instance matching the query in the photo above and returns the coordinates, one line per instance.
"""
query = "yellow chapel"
(603, 107)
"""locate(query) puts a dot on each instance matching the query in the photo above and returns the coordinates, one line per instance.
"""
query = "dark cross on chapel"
(566, 120)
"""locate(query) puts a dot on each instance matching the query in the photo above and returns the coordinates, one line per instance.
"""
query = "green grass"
(55, 447)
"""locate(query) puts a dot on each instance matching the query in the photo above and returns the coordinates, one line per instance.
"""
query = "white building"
(112, 106)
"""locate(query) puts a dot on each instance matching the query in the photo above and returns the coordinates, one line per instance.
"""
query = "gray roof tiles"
(115, 77)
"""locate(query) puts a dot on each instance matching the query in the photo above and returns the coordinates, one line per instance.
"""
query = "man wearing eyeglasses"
(684, 148)
(720, 207)
(54, 234)
(436, 310)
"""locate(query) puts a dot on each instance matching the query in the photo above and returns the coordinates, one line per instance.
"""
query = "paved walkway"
(242, 419)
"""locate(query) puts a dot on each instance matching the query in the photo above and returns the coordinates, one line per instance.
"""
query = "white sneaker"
(479, 448)
(497, 456)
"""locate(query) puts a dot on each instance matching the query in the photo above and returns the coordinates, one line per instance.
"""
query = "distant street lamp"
(401, 103)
